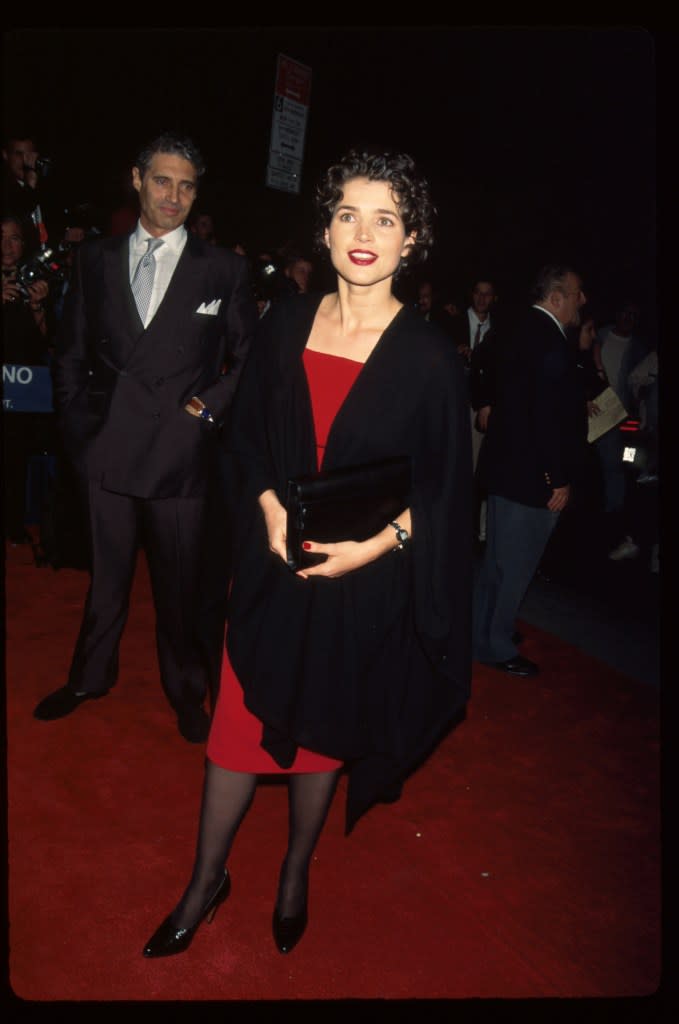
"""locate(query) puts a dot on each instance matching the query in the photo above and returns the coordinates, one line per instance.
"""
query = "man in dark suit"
(475, 335)
(155, 332)
(527, 462)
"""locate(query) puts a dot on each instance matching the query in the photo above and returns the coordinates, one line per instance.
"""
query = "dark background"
(539, 143)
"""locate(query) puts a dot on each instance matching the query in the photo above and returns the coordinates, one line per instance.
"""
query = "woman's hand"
(343, 557)
(347, 555)
(276, 519)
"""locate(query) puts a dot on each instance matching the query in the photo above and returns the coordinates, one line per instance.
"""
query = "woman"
(364, 659)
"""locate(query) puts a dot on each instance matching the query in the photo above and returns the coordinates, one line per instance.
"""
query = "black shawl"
(373, 667)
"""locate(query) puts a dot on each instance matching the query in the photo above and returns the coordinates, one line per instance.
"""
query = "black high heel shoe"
(168, 939)
(287, 931)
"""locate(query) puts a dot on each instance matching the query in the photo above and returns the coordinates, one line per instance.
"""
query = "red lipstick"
(362, 257)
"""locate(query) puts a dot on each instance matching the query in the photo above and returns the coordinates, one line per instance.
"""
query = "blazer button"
(156, 415)
(159, 382)
(104, 341)
(180, 348)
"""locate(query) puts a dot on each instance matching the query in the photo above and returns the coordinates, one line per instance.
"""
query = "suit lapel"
(117, 286)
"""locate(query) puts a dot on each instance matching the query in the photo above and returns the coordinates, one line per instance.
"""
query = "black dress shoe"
(194, 723)
(287, 931)
(516, 666)
(62, 702)
(168, 939)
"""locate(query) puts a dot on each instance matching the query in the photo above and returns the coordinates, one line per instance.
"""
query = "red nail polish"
(306, 545)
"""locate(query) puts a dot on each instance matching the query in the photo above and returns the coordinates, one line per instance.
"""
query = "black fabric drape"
(373, 667)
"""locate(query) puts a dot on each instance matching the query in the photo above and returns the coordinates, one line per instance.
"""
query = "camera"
(48, 266)
(43, 166)
(268, 280)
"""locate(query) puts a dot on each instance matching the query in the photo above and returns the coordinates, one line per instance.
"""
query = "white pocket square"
(211, 308)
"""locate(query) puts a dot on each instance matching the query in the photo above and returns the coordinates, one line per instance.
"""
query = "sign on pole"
(26, 388)
(288, 124)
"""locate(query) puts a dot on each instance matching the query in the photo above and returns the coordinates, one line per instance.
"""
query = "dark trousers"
(516, 536)
(23, 434)
(171, 532)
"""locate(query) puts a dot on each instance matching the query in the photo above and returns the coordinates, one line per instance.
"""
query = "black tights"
(227, 796)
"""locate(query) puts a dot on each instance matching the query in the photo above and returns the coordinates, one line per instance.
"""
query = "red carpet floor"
(522, 862)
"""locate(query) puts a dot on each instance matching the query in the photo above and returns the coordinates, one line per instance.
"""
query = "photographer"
(24, 303)
(26, 335)
(23, 189)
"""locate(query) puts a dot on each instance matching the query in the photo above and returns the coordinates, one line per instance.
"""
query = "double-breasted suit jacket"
(145, 463)
(120, 389)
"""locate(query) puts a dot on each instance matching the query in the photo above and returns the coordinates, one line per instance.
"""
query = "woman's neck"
(363, 308)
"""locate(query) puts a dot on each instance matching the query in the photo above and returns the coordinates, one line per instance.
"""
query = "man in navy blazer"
(527, 463)
(141, 390)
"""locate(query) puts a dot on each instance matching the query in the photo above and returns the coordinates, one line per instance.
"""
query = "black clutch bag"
(344, 504)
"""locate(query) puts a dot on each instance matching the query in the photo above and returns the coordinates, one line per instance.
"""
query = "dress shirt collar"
(475, 321)
(557, 322)
(174, 240)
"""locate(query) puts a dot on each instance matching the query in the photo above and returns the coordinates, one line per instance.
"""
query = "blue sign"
(26, 388)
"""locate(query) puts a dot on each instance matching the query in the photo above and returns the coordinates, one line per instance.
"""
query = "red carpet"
(523, 860)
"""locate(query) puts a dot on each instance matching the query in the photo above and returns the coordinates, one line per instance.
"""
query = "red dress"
(235, 736)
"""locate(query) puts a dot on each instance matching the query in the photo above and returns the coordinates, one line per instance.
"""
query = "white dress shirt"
(167, 256)
(474, 323)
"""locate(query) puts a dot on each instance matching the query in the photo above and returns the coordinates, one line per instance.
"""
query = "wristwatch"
(402, 536)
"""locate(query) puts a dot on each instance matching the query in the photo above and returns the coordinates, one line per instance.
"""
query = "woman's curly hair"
(411, 193)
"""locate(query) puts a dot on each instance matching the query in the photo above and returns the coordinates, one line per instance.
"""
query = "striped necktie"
(142, 282)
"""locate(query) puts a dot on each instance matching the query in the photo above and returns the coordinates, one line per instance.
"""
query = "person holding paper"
(619, 347)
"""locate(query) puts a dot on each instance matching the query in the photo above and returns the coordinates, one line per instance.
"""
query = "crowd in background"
(613, 511)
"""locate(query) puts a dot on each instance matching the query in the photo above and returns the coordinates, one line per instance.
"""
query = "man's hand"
(559, 499)
(482, 418)
(10, 291)
(38, 292)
